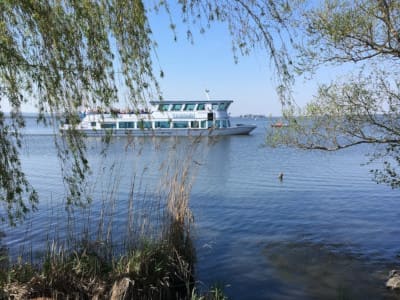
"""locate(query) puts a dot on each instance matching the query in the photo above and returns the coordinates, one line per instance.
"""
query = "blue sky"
(209, 63)
(190, 69)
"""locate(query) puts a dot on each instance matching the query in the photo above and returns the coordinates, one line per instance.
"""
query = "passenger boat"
(164, 118)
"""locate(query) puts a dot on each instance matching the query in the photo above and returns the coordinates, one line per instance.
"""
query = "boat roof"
(188, 101)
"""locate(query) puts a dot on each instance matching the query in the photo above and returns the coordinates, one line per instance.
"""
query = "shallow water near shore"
(326, 231)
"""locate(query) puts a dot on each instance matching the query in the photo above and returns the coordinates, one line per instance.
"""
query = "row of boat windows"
(191, 106)
(164, 124)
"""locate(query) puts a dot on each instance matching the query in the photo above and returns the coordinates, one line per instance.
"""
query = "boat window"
(218, 124)
(108, 125)
(194, 124)
(201, 106)
(176, 107)
(163, 107)
(126, 125)
(93, 124)
(224, 123)
(189, 107)
(222, 106)
(180, 124)
(228, 123)
(162, 124)
(210, 124)
(215, 106)
(203, 124)
(144, 124)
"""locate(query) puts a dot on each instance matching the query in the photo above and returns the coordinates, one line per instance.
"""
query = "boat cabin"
(165, 114)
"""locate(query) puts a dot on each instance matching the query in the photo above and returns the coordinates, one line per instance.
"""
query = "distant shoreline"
(251, 116)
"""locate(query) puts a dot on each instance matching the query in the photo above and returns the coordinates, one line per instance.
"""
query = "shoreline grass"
(156, 270)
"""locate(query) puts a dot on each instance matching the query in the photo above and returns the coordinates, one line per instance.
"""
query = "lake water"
(326, 231)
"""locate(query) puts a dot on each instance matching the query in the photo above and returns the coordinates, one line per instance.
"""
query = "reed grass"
(152, 250)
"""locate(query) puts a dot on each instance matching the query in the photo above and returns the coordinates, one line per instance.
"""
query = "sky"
(209, 64)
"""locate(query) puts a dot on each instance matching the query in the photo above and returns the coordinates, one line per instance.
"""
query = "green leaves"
(16, 194)
(362, 107)
(65, 56)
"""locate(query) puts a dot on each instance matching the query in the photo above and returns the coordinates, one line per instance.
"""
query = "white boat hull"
(237, 130)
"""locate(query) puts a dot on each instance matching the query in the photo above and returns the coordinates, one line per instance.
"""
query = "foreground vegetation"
(153, 270)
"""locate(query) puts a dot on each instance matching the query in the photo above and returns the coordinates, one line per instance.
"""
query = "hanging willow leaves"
(63, 55)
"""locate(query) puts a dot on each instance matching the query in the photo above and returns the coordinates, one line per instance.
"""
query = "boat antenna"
(207, 95)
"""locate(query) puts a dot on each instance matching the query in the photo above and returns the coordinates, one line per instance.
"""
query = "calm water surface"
(327, 231)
